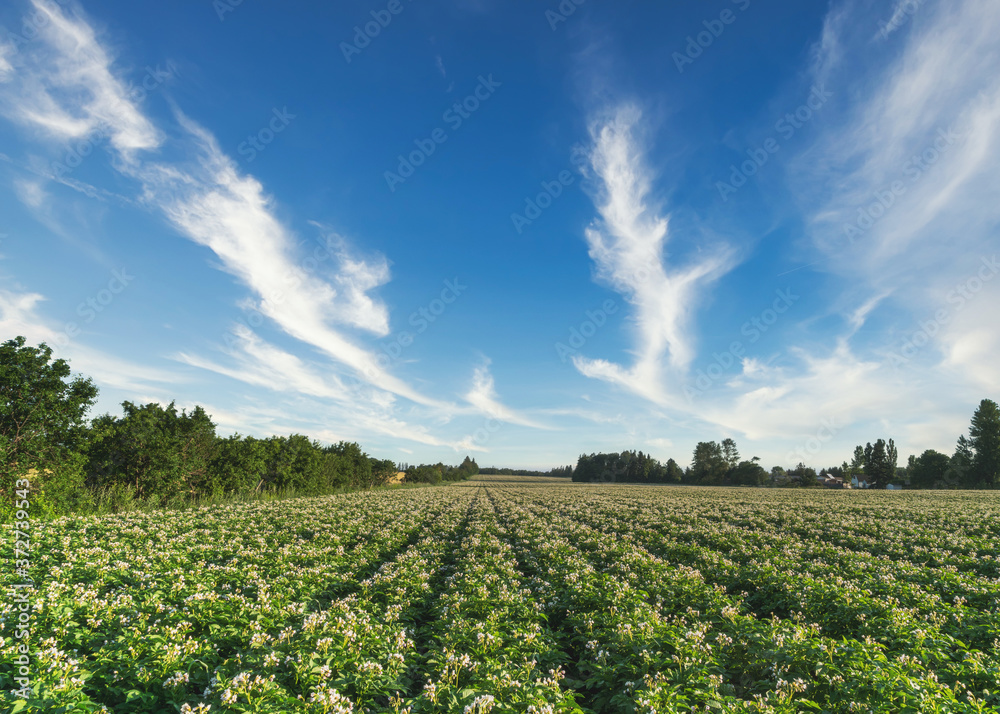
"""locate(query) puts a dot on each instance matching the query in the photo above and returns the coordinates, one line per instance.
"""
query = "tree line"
(974, 465)
(559, 472)
(151, 455)
(436, 473)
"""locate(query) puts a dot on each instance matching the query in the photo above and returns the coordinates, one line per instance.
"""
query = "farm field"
(521, 595)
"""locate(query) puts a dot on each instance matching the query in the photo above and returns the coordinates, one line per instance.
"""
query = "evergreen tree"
(960, 468)
(730, 453)
(984, 441)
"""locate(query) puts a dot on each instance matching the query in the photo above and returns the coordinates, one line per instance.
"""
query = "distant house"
(831, 481)
(856, 483)
(893, 487)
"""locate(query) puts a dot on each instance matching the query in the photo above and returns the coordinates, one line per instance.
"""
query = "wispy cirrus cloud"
(901, 191)
(897, 192)
(6, 69)
(628, 246)
(483, 397)
(217, 206)
(360, 409)
(19, 315)
(66, 87)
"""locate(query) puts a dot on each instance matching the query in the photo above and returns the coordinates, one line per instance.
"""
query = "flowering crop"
(520, 595)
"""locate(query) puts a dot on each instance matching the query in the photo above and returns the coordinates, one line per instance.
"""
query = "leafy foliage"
(42, 426)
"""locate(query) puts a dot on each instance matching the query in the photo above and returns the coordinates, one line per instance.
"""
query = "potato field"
(517, 595)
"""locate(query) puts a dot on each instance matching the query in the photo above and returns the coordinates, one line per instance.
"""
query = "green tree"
(673, 472)
(880, 463)
(929, 470)
(42, 427)
(239, 466)
(709, 465)
(960, 467)
(160, 455)
(807, 477)
(749, 473)
(984, 440)
(730, 453)
(467, 469)
(383, 471)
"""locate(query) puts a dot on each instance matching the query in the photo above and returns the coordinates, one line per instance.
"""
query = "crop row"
(506, 597)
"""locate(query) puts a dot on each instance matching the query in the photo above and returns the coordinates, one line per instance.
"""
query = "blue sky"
(521, 231)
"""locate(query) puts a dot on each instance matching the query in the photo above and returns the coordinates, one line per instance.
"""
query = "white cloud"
(70, 90)
(926, 119)
(30, 192)
(627, 246)
(924, 113)
(6, 69)
(19, 316)
(483, 396)
(66, 88)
